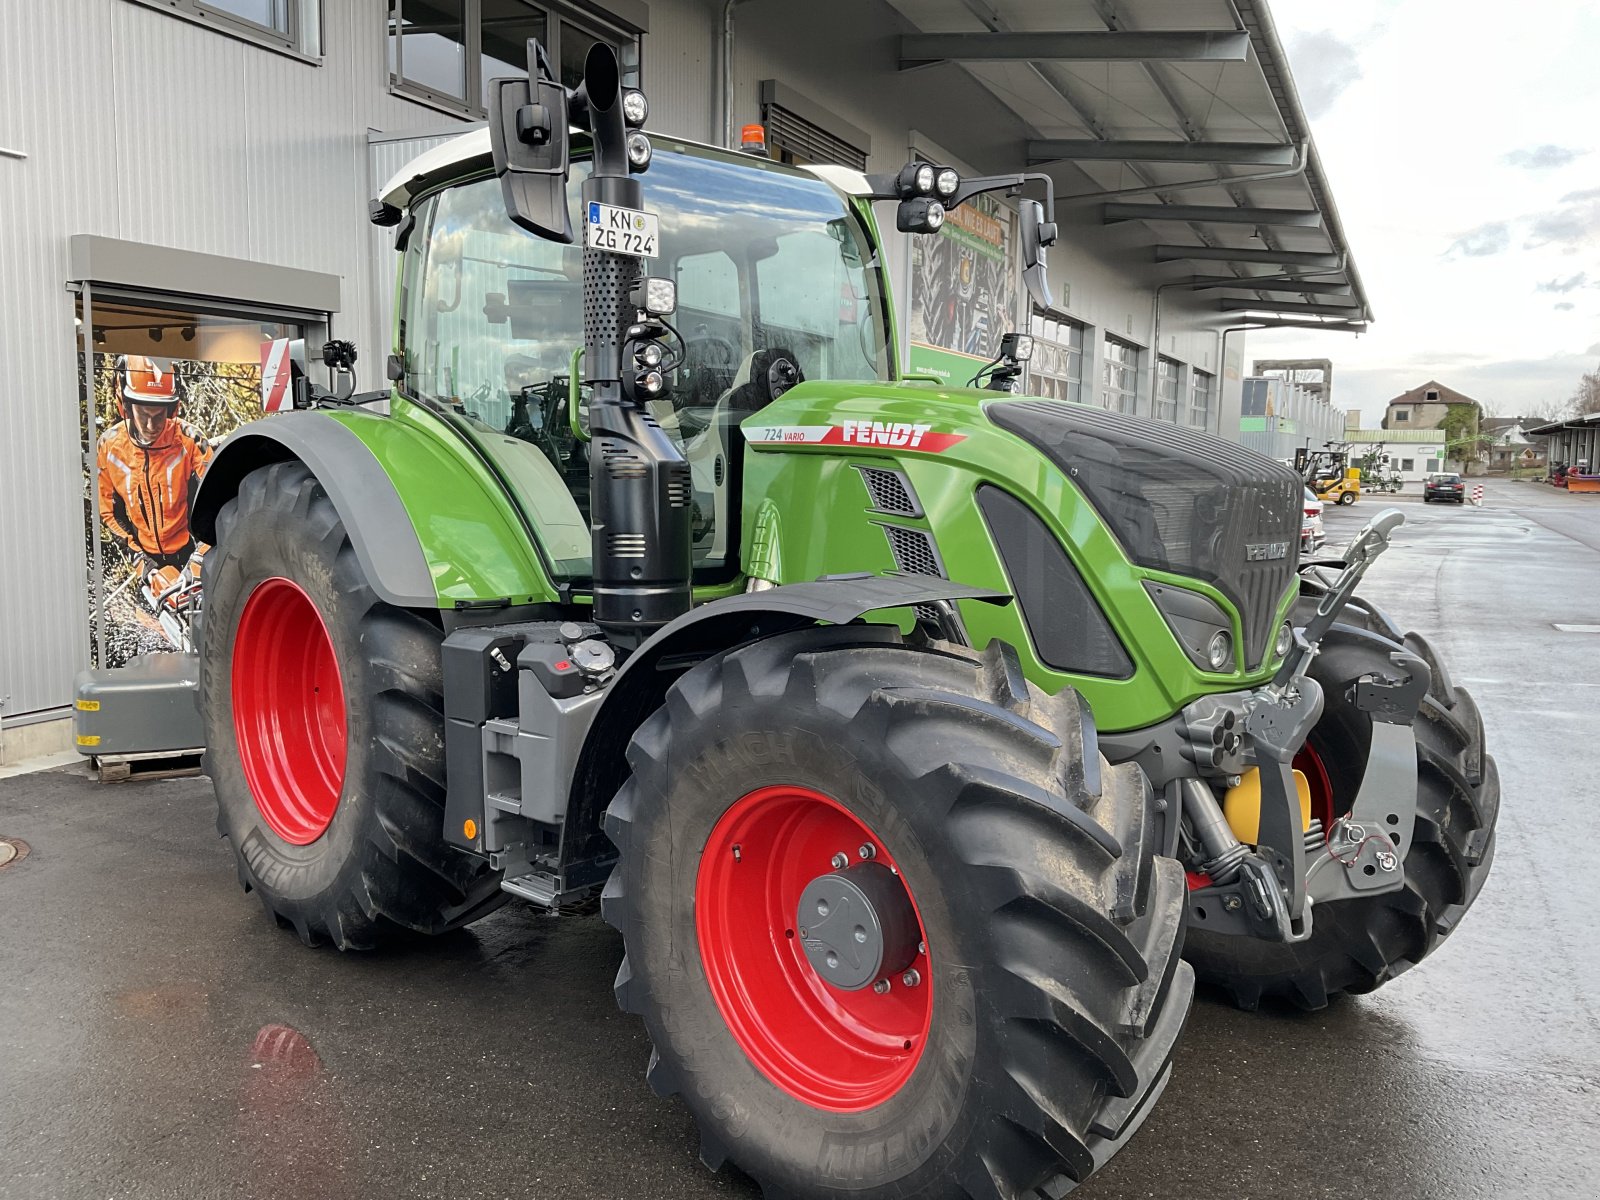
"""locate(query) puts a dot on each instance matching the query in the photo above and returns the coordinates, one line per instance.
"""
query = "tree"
(1586, 399)
(1461, 437)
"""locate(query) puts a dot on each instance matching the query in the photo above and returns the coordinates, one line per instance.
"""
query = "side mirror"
(528, 138)
(1037, 235)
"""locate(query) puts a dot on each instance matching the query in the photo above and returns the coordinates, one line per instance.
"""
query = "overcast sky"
(1462, 142)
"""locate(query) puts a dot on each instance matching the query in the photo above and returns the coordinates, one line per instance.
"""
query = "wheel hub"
(857, 925)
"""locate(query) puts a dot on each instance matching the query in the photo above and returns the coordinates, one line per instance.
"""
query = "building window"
(1402, 414)
(1434, 465)
(1168, 373)
(1056, 370)
(1408, 464)
(292, 25)
(801, 132)
(1119, 378)
(1431, 395)
(1201, 386)
(445, 52)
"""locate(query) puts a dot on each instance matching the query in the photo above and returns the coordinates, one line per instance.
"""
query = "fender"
(430, 525)
(641, 686)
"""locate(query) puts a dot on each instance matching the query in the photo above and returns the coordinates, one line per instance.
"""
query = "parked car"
(1444, 485)
(1311, 535)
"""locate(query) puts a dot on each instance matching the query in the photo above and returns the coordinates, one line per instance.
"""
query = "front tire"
(1044, 992)
(324, 728)
(1358, 945)
(1347, 498)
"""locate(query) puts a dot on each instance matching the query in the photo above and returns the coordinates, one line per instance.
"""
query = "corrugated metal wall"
(142, 126)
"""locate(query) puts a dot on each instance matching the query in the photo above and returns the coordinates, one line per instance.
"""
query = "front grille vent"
(627, 545)
(890, 491)
(914, 551)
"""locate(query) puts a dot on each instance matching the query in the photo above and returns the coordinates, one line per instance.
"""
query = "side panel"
(430, 523)
(808, 513)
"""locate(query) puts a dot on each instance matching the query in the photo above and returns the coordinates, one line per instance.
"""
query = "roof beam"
(1290, 306)
(1210, 213)
(1246, 154)
(1358, 325)
(1305, 287)
(924, 49)
(1282, 258)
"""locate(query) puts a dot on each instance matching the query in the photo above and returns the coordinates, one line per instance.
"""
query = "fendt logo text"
(883, 433)
(1266, 551)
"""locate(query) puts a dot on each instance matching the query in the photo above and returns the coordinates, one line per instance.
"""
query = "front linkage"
(1268, 889)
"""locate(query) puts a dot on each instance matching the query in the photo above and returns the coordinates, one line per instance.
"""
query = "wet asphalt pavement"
(160, 1037)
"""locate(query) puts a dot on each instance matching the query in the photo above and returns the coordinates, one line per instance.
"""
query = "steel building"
(188, 180)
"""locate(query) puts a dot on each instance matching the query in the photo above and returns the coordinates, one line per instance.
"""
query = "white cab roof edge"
(471, 149)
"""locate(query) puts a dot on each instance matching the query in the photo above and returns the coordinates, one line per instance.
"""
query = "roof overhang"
(1181, 119)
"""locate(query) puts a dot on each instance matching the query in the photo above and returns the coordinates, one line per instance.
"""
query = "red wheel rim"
(836, 1050)
(288, 711)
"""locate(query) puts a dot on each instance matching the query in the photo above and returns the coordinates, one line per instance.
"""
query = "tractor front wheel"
(324, 728)
(893, 925)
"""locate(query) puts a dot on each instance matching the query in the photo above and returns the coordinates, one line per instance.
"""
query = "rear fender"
(355, 481)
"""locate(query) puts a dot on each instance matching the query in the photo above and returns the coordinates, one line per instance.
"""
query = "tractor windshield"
(491, 324)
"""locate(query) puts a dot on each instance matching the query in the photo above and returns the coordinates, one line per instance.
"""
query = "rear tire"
(341, 833)
(1049, 982)
(1358, 945)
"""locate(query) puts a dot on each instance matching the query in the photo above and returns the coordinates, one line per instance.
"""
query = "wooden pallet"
(158, 764)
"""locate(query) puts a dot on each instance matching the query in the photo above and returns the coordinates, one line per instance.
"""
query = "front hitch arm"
(1364, 549)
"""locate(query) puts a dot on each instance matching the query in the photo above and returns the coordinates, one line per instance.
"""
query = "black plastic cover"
(1178, 500)
(1068, 628)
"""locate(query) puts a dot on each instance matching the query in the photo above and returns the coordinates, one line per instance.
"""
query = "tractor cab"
(777, 278)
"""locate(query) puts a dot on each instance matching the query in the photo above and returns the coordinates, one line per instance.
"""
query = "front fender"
(641, 686)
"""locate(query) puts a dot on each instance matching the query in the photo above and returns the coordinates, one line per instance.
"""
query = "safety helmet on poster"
(145, 380)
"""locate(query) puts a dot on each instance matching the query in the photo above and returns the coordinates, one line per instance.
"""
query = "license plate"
(623, 231)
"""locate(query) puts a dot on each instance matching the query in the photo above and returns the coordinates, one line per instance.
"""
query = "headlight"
(925, 178)
(1219, 650)
(947, 183)
(635, 108)
(1285, 641)
(649, 355)
(639, 151)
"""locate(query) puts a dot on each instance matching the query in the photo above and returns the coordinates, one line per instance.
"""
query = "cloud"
(1492, 237)
(1324, 66)
(1565, 306)
(1541, 158)
(1574, 223)
(1562, 286)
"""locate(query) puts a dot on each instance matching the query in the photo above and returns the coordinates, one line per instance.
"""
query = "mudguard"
(642, 685)
(355, 481)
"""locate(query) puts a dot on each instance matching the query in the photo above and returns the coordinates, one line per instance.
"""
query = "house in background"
(1511, 447)
(1426, 406)
(1413, 453)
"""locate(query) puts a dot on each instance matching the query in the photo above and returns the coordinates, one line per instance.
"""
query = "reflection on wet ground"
(160, 1037)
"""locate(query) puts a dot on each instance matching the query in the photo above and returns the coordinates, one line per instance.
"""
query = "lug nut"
(881, 987)
(841, 861)
(868, 850)
(911, 978)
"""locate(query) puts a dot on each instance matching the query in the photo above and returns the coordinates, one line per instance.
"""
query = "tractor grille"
(890, 491)
(626, 545)
(1178, 501)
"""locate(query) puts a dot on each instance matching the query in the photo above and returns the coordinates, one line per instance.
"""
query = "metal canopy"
(1176, 119)
(923, 49)
(1254, 154)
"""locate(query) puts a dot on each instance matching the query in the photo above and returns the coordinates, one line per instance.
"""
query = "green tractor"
(902, 730)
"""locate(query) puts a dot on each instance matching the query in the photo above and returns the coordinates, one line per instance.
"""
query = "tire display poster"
(963, 291)
(139, 482)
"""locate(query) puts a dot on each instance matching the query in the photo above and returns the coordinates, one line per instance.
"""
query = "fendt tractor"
(903, 730)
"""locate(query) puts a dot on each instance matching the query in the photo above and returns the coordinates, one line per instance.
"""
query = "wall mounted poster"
(155, 422)
(964, 291)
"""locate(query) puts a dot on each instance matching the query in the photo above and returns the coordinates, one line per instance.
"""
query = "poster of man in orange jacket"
(150, 464)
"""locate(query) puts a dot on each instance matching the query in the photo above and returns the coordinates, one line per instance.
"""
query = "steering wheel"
(711, 350)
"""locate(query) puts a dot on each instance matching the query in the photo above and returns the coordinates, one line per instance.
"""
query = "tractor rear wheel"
(324, 728)
(892, 924)
(1358, 945)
